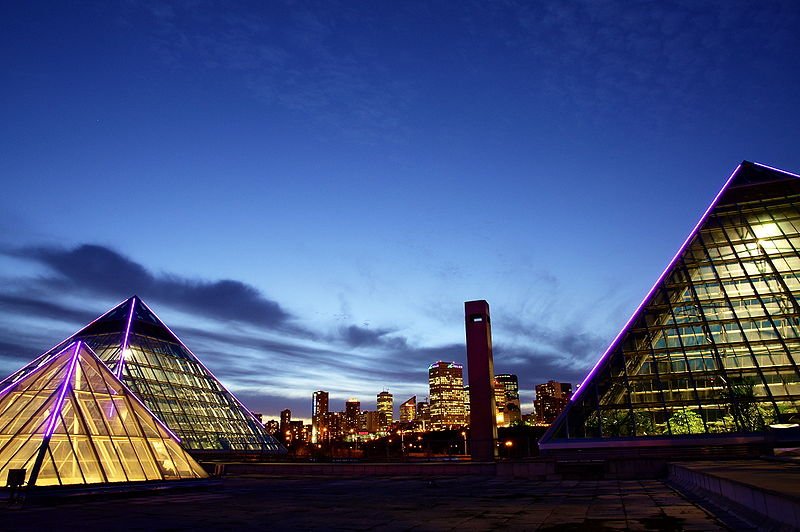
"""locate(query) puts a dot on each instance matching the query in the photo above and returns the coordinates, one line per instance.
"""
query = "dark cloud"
(100, 270)
(12, 304)
(356, 336)
(275, 355)
(295, 360)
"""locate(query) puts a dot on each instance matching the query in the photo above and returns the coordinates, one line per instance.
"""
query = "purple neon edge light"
(64, 387)
(124, 345)
(652, 290)
(777, 170)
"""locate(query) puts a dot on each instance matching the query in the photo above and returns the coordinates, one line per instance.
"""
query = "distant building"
(352, 415)
(551, 398)
(386, 409)
(319, 407)
(273, 427)
(499, 403)
(331, 427)
(424, 415)
(286, 418)
(467, 409)
(408, 410)
(446, 382)
(287, 426)
(296, 433)
(512, 411)
(372, 421)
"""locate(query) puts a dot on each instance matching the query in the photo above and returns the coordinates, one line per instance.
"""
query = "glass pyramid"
(714, 347)
(71, 421)
(147, 356)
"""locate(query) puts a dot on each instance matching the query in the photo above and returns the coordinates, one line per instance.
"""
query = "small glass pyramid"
(714, 347)
(150, 359)
(71, 421)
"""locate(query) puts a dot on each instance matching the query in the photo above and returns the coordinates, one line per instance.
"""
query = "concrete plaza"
(381, 503)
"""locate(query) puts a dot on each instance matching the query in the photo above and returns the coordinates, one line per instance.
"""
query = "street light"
(402, 442)
(464, 435)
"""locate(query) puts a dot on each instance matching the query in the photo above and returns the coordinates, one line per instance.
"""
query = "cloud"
(356, 336)
(267, 355)
(101, 270)
(11, 304)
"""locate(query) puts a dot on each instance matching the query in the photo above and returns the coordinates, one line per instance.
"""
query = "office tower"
(500, 403)
(273, 427)
(512, 411)
(319, 403)
(372, 421)
(446, 383)
(170, 380)
(386, 409)
(286, 425)
(334, 427)
(319, 407)
(408, 410)
(424, 415)
(713, 347)
(551, 399)
(466, 401)
(352, 415)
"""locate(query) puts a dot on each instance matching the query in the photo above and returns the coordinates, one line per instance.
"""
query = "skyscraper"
(408, 410)
(372, 421)
(713, 347)
(386, 409)
(352, 415)
(446, 383)
(424, 415)
(512, 411)
(551, 398)
(319, 407)
(286, 425)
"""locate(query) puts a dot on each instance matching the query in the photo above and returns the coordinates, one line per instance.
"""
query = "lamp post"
(464, 435)
(401, 433)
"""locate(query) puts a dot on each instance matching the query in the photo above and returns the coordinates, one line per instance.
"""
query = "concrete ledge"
(537, 470)
(767, 490)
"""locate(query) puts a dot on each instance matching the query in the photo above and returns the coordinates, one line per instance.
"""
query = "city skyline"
(308, 193)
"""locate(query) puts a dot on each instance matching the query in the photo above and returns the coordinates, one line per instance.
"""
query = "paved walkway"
(398, 503)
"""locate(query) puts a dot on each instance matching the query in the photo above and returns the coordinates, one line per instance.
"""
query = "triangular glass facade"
(148, 357)
(71, 421)
(714, 347)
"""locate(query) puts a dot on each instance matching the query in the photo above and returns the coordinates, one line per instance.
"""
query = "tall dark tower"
(480, 367)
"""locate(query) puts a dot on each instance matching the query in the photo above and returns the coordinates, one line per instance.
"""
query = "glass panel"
(713, 350)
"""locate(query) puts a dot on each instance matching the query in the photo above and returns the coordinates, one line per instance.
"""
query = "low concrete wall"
(543, 470)
(751, 500)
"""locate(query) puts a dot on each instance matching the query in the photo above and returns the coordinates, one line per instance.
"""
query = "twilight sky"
(307, 192)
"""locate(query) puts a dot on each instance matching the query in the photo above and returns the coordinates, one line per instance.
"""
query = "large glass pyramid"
(71, 421)
(714, 347)
(170, 380)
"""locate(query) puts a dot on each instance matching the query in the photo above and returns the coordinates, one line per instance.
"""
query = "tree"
(686, 422)
(749, 415)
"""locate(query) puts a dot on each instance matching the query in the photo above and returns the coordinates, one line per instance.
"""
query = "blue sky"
(307, 192)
